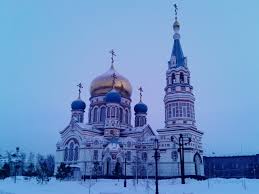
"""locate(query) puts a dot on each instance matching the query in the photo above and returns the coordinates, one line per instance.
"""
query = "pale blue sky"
(47, 47)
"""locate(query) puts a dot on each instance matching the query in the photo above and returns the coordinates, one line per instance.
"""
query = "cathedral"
(109, 139)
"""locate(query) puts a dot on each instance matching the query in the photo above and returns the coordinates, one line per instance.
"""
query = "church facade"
(106, 141)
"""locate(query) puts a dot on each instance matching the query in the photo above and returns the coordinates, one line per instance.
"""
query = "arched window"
(103, 114)
(71, 150)
(173, 78)
(76, 154)
(121, 115)
(144, 156)
(95, 115)
(113, 112)
(117, 113)
(181, 77)
(126, 116)
(89, 116)
(137, 121)
(169, 111)
(108, 112)
(66, 154)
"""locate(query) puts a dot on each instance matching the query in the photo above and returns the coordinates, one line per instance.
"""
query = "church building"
(100, 141)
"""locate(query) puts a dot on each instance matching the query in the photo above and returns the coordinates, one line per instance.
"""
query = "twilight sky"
(47, 47)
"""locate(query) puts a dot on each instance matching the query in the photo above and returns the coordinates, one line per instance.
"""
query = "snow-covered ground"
(173, 186)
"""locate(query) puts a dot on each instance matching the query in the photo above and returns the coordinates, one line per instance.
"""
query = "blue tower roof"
(140, 108)
(78, 104)
(113, 97)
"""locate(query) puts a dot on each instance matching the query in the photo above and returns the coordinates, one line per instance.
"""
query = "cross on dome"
(140, 93)
(175, 11)
(80, 86)
(112, 57)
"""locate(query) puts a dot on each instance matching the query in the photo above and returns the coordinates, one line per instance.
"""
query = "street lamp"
(16, 159)
(125, 170)
(181, 143)
(157, 157)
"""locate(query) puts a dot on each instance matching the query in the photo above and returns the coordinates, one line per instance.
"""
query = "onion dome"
(78, 104)
(102, 84)
(113, 97)
(140, 108)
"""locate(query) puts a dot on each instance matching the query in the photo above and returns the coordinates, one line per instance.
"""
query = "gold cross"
(113, 55)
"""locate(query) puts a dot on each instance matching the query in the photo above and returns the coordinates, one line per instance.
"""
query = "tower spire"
(177, 56)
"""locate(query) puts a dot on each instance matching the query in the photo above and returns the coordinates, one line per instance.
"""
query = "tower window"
(173, 78)
(169, 111)
(181, 77)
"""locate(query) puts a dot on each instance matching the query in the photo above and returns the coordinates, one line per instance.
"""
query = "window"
(103, 114)
(144, 156)
(174, 109)
(169, 111)
(126, 116)
(95, 154)
(173, 78)
(108, 112)
(128, 144)
(95, 115)
(71, 150)
(121, 115)
(66, 154)
(181, 77)
(117, 113)
(113, 112)
(137, 121)
(76, 153)
(128, 156)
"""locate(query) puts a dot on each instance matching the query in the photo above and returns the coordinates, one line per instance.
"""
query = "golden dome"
(103, 84)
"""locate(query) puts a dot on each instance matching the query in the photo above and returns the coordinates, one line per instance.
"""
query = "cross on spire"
(114, 76)
(175, 11)
(140, 93)
(113, 55)
(80, 86)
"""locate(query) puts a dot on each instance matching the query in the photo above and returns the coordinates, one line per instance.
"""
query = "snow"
(172, 186)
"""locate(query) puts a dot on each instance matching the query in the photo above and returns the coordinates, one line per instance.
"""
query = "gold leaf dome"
(104, 83)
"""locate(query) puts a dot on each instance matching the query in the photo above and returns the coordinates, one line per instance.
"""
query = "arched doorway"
(107, 167)
(198, 164)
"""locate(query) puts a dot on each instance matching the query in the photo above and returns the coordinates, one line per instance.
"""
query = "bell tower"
(179, 99)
